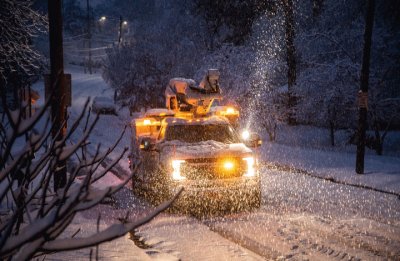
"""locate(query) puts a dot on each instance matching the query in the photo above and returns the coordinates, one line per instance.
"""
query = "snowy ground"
(381, 172)
(302, 217)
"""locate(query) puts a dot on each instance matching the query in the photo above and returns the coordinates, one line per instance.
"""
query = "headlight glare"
(228, 165)
(230, 110)
(176, 166)
(251, 172)
(245, 135)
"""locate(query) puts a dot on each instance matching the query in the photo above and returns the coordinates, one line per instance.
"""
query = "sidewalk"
(381, 172)
(122, 248)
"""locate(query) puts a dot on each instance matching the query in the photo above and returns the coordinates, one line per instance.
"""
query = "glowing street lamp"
(122, 23)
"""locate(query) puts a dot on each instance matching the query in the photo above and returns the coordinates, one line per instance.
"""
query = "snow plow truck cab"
(193, 145)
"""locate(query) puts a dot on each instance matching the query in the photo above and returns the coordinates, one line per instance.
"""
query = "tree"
(230, 21)
(73, 17)
(33, 215)
(19, 23)
(317, 7)
(20, 63)
(136, 74)
(167, 47)
(383, 112)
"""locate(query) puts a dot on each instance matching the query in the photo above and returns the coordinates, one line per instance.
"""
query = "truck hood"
(205, 149)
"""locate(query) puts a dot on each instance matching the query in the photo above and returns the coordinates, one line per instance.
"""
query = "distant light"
(102, 19)
(245, 135)
(125, 23)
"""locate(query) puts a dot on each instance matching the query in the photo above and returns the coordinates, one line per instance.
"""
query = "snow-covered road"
(301, 217)
(307, 218)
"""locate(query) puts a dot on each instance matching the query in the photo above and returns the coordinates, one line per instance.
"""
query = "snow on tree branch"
(33, 215)
(19, 23)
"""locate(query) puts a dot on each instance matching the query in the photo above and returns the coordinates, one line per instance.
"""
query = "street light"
(122, 23)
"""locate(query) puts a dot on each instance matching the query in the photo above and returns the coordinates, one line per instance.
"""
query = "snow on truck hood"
(205, 149)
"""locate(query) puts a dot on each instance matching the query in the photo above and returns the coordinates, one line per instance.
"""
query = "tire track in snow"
(311, 238)
(294, 230)
(318, 245)
(245, 242)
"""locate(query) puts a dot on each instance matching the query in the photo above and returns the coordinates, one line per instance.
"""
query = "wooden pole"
(363, 93)
(290, 57)
(89, 37)
(58, 107)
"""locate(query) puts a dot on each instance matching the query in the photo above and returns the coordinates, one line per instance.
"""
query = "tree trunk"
(378, 146)
(332, 133)
(317, 7)
(291, 59)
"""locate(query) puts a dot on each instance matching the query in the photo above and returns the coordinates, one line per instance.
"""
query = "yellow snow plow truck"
(193, 144)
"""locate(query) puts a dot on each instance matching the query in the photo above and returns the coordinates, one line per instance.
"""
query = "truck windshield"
(197, 133)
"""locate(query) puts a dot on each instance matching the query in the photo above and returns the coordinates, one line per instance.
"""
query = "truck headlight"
(251, 172)
(228, 165)
(230, 110)
(176, 166)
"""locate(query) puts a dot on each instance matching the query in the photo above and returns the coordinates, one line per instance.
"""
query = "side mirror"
(253, 141)
(147, 144)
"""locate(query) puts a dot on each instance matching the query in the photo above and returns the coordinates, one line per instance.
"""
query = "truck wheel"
(255, 201)
(133, 180)
(135, 185)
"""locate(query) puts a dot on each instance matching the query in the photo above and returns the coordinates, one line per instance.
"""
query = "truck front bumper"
(206, 196)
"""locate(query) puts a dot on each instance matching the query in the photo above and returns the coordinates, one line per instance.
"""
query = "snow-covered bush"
(328, 49)
(328, 41)
(330, 58)
(235, 66)
(229, 21)
(32, 214)
(162, 46)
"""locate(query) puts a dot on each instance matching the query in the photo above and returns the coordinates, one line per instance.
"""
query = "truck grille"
(212, 168)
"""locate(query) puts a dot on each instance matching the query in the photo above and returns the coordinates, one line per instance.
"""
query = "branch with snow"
(33, 215)
(19, 23)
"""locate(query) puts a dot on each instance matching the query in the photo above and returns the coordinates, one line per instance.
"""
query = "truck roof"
(158, 112)
(196, 121)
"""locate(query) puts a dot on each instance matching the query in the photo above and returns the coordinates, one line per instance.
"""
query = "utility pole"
(290, 57)
(363, 92)
(120, 30)
(89, 37)
(57, 85)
